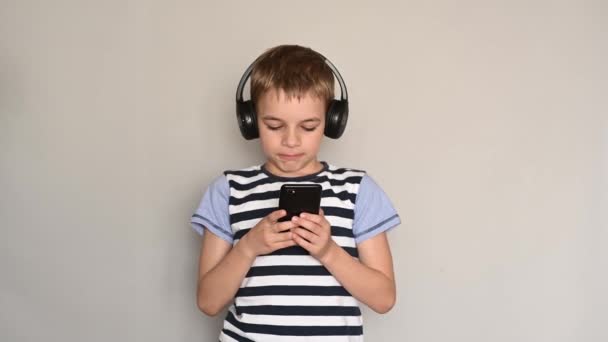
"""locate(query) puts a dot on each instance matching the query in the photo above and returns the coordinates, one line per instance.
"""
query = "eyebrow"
(274, 118)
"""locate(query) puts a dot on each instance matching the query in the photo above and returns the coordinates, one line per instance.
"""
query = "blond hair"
(295, 70)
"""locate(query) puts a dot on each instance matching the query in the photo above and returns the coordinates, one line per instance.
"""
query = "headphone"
(335, 117)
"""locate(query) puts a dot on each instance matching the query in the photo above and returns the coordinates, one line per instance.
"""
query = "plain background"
(484, 121)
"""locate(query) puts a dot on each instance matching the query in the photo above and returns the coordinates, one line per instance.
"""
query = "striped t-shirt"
(288, 295)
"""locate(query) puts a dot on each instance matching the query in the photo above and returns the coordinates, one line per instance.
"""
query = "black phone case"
(299, 198)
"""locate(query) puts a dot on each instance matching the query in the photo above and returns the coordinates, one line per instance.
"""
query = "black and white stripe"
(288, 294)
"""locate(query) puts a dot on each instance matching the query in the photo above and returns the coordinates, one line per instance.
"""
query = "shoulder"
(246, 172)
(369, 184)
(343, 173)
(217, 190)
(371, 191)
(342, 169)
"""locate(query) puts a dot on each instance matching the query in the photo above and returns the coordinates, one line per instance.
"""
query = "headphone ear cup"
(336, 118)
(247, 119)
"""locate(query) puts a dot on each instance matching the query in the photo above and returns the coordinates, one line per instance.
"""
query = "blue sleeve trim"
(378, 228)
(217, 230)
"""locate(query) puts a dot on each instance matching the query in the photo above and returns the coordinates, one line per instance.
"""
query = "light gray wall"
(485, 122)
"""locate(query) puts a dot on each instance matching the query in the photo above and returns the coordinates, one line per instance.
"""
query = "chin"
(291, 166)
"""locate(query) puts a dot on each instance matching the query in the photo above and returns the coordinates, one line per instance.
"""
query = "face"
(291, 132)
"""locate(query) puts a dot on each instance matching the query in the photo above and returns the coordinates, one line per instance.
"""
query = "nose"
(291, 138)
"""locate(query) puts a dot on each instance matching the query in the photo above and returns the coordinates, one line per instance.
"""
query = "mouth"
(290, 156)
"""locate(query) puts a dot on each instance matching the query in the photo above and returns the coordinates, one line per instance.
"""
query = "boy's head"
(292, 88)
(293, 69)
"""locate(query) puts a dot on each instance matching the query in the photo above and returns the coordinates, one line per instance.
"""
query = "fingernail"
(295, 218)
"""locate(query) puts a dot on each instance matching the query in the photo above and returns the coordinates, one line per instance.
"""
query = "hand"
(268, 235)
(314, 234)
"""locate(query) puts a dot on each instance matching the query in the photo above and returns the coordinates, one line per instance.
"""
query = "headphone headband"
(334, 70)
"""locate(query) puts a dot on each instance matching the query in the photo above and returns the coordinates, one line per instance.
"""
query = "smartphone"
(299, 198)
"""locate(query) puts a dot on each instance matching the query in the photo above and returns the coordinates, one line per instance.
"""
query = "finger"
(274, 216)
(310, 225)
(285, 244)
(287, 236)
(312, 217)
(301, 232)
(302, 243)
(283, 226)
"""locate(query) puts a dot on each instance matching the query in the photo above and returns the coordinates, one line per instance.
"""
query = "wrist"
(244, 249)
(330, 254)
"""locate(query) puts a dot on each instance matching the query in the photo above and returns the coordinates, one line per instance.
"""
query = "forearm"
(218, 286)
(366, 284)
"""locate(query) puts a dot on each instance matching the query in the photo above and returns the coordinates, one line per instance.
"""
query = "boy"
(299, 280)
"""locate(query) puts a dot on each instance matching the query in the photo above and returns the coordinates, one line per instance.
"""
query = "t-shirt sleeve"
(212, 212)
(374, 212)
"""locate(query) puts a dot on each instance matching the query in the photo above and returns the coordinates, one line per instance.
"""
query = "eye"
(273, 128)
(310, 129)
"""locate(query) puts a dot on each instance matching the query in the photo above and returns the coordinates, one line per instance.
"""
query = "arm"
(375, 265)
(222, 268)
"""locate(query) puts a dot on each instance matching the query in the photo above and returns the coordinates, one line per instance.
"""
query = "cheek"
(314, 140)
(269, 141)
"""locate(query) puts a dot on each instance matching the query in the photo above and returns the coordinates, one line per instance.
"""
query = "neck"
(312, 167)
